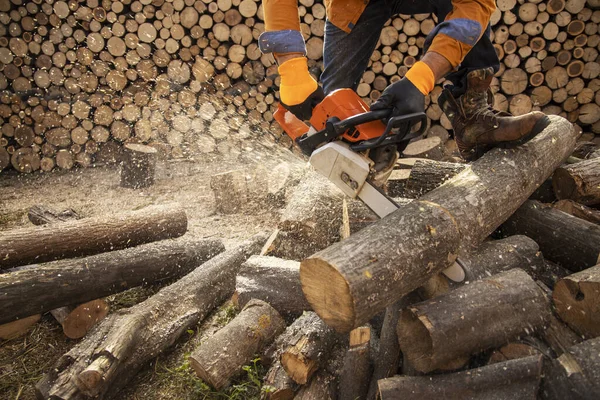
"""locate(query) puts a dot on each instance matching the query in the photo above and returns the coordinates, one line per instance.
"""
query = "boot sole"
(539, 126)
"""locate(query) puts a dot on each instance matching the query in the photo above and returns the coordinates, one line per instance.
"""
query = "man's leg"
(346, 55)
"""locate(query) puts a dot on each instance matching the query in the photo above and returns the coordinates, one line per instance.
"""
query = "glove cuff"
(422, 77)
(296, 82)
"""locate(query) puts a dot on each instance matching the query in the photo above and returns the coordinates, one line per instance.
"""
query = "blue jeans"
(346, 55)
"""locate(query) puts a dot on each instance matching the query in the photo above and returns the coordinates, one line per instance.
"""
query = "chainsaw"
(353, 148)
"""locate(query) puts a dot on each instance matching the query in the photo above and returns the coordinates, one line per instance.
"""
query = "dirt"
(95, 192)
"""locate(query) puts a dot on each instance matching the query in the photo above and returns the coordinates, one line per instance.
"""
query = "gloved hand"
(407, 95)
(298, 91)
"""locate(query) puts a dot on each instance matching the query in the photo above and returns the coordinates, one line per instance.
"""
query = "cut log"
(273, 280)
(305, 346)
(138, 166)
(76, 281)
(90, 235)
(575, 374)
(564, 239)
(223, 355)
(514, 379)
(15, 329)
(311, 218)
(475, 317)
(579, 182)
(577, 301)
(322, 386)
(513, 351)
(427, 175)
(103, 363)
(78, 320)
(430, 148)
(356, 371)
(281, 386)
(353, 280)
(578, 210)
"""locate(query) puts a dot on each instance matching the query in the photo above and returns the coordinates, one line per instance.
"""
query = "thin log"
(224, 354)
(356, 371)
(76, 281)
(90, 235)
(514, 379)
(579, 182)
(353, 280)
(578, 210)
(577, 301)
(103, 363)
(564, 239)
(273, 280)
(475, 317)
(279, 383)
(15, 329)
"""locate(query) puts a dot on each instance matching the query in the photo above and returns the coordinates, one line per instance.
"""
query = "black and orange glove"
(299, 92)
(407, 95)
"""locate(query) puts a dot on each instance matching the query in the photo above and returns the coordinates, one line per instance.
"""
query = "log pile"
(80, 79)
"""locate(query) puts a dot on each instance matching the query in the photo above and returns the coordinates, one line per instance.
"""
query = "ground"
(96, 191)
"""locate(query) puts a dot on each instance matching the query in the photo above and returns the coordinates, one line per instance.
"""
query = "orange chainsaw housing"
(342, 103)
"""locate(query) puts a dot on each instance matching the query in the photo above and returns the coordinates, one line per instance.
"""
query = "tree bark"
(428, 175)
(353, 280)
(281, 386)
(273, 280)
(473, 318)
(78, 320)
(564, 239)
(76, 281)
(90, 236)
(42, 215)
(577, 301)
(575, 374)
(102, 364)
(579, 182)
(224, 354)
(578, 210)
(514, 379)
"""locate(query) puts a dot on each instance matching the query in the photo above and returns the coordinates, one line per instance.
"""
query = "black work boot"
(478, 127)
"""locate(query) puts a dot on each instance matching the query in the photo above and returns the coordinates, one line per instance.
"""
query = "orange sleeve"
(462, 28)
(281, 15)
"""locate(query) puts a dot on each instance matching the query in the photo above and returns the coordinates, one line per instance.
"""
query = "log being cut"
(101, 364)
(353, 280)
(90, 235)
(68, 282)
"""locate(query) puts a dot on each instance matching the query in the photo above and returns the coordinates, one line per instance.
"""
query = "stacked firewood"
(81, 77)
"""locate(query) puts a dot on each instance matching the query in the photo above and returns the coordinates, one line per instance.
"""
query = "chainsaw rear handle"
(403, 123)
(338, 127)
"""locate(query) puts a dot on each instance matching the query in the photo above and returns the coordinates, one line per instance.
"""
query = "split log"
(576, 300)
(281, 386)
(578, 210)
(353, 280)
(78, 320)
(138, 166)
(90, 235)
(273, 280)
(223, 355)
(564, 239)
(514, 379)
(15, 329)
(427, 175)
(311, 218)
(356, 371)
(579, 182)
(76, 281)
(103, 363)
(475, 317)
(575, 374)
(304, 346)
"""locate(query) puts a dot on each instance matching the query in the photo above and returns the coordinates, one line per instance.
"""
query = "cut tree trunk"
(428, 175)
(90, 236)
(281, 386)
(514, 379)
(273, 280)
(356, 372)
(102, 364)
(15, 329)
(353, 280)
(575, 374)
(223, 355)
(138, 166)
(579, 182)
(578, 210)
(564, 239)
(304, 346)
(479, 316)
(577, 301)
(76, 281)
(78, 320)
(311, 218)
(322, 386)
